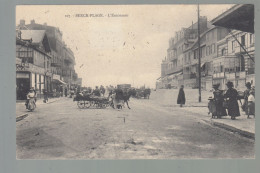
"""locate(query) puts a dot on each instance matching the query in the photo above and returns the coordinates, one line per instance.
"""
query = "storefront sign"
(56, 76)
(31, 68)
(22, 75)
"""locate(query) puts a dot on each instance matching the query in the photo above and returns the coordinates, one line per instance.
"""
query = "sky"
(118, 50)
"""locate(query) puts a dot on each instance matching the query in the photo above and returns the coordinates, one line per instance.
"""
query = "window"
(233, 45)
(213, 48)
(251, 39)
(243, 40)
(223, 52)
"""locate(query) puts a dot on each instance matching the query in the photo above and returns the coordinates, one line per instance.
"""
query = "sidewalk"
(22, 112)
(241, 125)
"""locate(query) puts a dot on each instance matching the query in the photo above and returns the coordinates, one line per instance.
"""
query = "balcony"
(219, 75)
(241, 74)
(55, 64)
(170, 71)
(230, 75)
(190, 76)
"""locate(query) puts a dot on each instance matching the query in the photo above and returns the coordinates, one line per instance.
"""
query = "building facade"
(32, 63)
(172, 73)
(62, 61)
(233, 63)
(222, 59)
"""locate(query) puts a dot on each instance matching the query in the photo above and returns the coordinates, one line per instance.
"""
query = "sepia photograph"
(135, 81)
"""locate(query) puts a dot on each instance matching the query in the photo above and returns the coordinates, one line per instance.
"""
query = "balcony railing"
(219, 75)
(169, 71)
(55, 64)
(189, 76)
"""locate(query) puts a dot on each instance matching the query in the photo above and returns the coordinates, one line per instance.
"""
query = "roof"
(36, 35)
(239, 17)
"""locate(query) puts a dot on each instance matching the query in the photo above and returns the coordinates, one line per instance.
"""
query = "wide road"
(61, 130)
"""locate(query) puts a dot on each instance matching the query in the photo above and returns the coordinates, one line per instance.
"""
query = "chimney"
(192, 25)
(32, 21)
(22, 22)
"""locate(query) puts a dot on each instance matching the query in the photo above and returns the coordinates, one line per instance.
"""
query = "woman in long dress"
(218, 100)
(231, 96)
(181, 97)
(246, 94)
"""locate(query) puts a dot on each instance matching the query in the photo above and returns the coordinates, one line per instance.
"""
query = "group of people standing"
(227, 101)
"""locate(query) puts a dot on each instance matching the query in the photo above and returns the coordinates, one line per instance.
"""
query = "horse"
(121, 97)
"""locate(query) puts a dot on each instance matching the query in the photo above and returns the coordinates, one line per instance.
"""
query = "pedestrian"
(251, 104)
(181, 97)
(45, 93)
(246, 94)
(96, 92)
(66, 92)
(218, 102)
(231, 97)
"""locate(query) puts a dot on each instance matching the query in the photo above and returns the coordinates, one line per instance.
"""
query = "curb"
(232, 129)
(21, 117)
(52, 101)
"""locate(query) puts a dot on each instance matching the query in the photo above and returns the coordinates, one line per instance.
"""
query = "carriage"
(143, 93)
(88, 100)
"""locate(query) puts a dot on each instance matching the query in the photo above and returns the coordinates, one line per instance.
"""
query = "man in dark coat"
(181, 97)
(96, 92)
(231, 96)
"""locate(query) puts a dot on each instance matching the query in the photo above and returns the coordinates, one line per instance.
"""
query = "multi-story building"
(226, 55)
(208, 51)
(63, 60)
(32, 62)
(236, 52)
(232, 62)
(179, 58)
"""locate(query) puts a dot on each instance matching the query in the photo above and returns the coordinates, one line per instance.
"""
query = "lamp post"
(199, 70)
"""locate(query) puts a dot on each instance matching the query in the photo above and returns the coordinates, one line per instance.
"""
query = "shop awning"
(239, 17)
(59, 81)
(171, 76)
(177, 74)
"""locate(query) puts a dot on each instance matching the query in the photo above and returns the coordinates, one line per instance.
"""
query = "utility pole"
(199, 53)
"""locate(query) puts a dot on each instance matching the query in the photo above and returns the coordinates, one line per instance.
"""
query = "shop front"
(58, 86)
(31, 76)
(22, 85)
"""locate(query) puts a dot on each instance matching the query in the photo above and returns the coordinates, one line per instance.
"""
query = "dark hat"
(215, 85)
(230, 84)
(248, 84)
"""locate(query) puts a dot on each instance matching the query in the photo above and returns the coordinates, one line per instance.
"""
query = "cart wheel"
(81, 104)
(87, 104)
(99, 105)
(104, 105)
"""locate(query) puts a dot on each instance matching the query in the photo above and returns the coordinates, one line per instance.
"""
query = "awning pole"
(230, 32)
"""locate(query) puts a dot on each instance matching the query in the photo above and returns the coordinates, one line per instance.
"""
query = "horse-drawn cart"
(88, 100)
(143, 93)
